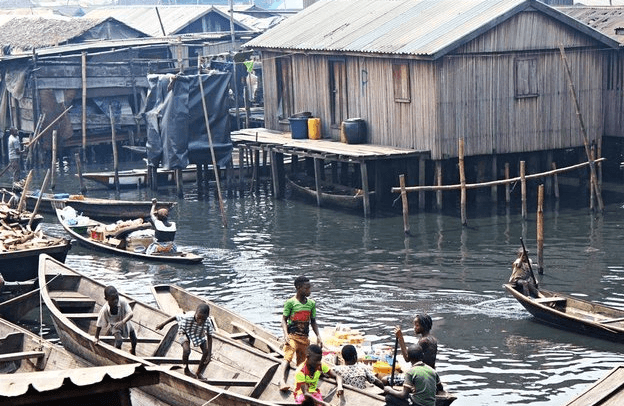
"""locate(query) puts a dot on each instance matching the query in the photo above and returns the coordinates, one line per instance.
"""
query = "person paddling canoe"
(522, 274)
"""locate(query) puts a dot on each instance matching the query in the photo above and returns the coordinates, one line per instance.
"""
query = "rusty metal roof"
(428, 28)
(604, 19)
(12, 385)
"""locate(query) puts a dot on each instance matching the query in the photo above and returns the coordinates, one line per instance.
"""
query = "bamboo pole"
(555, 181)
(53, 161)
(84, 106)
(540, 229)
(523, 189)
(212, 152)
(494, 190)
(497, 182)
(462, 181)
(590, 158)
(30, 144)
(507, 184)
(83, 188)
(421, 181)
(44, 186)
(21, 206)
(114, 145)
(406, 226)
(438, 166)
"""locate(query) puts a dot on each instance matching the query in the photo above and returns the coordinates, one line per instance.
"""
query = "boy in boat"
(421, 383)
(522, 276)
(164, 231)
(194, 328)
(429, 344)
(298, 315)
(114, 316)
(307, 377)
(353, 373)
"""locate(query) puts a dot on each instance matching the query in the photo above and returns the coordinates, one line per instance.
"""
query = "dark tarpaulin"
(176, 127)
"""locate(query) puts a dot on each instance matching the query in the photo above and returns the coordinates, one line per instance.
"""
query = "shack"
(425, 74)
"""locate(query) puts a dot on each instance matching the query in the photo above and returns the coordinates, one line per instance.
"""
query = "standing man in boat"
(298, 315)
(15, 153)
(164, 231)
(522, 274)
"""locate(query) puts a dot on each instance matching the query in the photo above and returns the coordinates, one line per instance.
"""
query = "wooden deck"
(278, 144)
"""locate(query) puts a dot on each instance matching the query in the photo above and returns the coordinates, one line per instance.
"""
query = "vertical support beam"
(274, 174)
(83, 189)
(555, 181)
(507, 186)
(548, 181)
(438, 170)
(84, 106)
(178, 181)
(523, 189)
(462, 181)
(53, 161)
(494, 190)
(365, 190)
(406, 226)
(540, 229)
(241, 163)
(421, 182)
(317, 181)
(114, 145)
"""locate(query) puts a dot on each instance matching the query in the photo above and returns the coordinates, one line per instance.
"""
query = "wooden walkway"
(278, 144)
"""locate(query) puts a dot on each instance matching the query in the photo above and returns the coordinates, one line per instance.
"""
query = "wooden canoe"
(21, 264)
(99, 209)
(606, 391)
(174, 300)
(573, 314)
(117, 245)
(138, 177)
(332, 195)
(237, 374)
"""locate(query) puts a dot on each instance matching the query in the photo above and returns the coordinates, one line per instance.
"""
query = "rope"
(210, 401)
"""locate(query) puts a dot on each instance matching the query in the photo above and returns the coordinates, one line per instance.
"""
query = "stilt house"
(424, 73)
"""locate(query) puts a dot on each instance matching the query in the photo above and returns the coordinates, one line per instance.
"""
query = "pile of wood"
(19, 238)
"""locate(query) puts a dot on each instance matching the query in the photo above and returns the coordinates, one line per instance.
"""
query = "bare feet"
(132, 351)
(188, 372)
(284, 387)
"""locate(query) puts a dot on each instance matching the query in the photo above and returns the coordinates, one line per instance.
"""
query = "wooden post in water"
(462, 181)
(494, 190)
(365, 190)
(114, 145)
(540, 229)
(421, 181)
(178, 181)
(555, 181)
(53, 162)
(438, 170)
(84, 106)
(83, 189)
(406, 226)
(274, 173)
(507, 186)
(317, 181)
(523, 189)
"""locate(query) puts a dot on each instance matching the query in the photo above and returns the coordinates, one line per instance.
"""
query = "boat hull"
(138, 177)
(569, 313)
(336, 196)
(21, 265)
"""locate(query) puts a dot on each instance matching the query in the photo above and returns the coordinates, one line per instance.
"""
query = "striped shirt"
(196, 333)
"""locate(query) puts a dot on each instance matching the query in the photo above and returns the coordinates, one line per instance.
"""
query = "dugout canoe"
(138, 177)
(608, 390)
(117, 243)
(20, 262)
(570, 313)
(332, 195)
(237, 374)
(95, 208)
(174, 300)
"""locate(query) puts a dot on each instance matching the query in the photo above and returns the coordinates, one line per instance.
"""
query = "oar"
(396, 348)
(528, 262)
(46, 181)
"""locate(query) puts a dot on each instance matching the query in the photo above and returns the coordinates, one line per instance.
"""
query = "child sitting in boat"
(197, 329)
(308, 375)
(115, 315)
(164, 231)
(353, 373)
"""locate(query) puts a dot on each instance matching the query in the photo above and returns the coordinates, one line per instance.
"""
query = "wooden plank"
(256, 337)
(166, 341)
(545, 300)
(170, 360)
(264, 382)
(145, 340)
(82, 315)
(15, 356)
(612, 320)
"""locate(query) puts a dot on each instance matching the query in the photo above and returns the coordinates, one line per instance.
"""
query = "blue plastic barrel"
(299, 127)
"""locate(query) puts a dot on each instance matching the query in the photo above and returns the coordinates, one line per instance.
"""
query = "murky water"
(367, 275)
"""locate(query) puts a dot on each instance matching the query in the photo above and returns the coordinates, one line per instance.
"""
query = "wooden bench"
(15, 356)
(170, 360)
(549, 300)
(246, 333)
(145, 340)
(82, 316)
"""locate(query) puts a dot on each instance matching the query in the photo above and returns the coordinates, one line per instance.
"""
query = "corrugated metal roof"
(12, 385)
(604, 19)
(414, 27)
(174, 18)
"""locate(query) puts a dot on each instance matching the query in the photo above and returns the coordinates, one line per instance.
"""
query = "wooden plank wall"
(613, 85)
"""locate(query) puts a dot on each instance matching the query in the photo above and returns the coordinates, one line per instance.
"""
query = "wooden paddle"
(528, 261)
(396, 348)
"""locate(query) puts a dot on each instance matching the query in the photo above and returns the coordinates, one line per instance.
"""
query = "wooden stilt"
(494, 189)
(365, 190)
(406, 226)
(523, 189)
(548, 182)
(178, 179)
(555, 181)
(540, 229)
(462, 181)
(84, 106)
(241, 164)
(507, 186)
(83, 188)
(317, 180)
(421, 181)
(438, 170)
(274, 174)
(53, 161)
(114, 145)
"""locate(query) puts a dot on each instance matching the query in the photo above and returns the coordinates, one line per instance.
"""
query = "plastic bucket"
(353, 131)
(314, 128)
(299, 127)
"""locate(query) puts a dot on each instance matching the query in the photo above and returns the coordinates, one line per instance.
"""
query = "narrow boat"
(117, 237)
(138, 177)
(606, 391)
(174, 300)
(332, 194)
(19, 261)
(236, 375)
(573, 314)
(99, 209)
